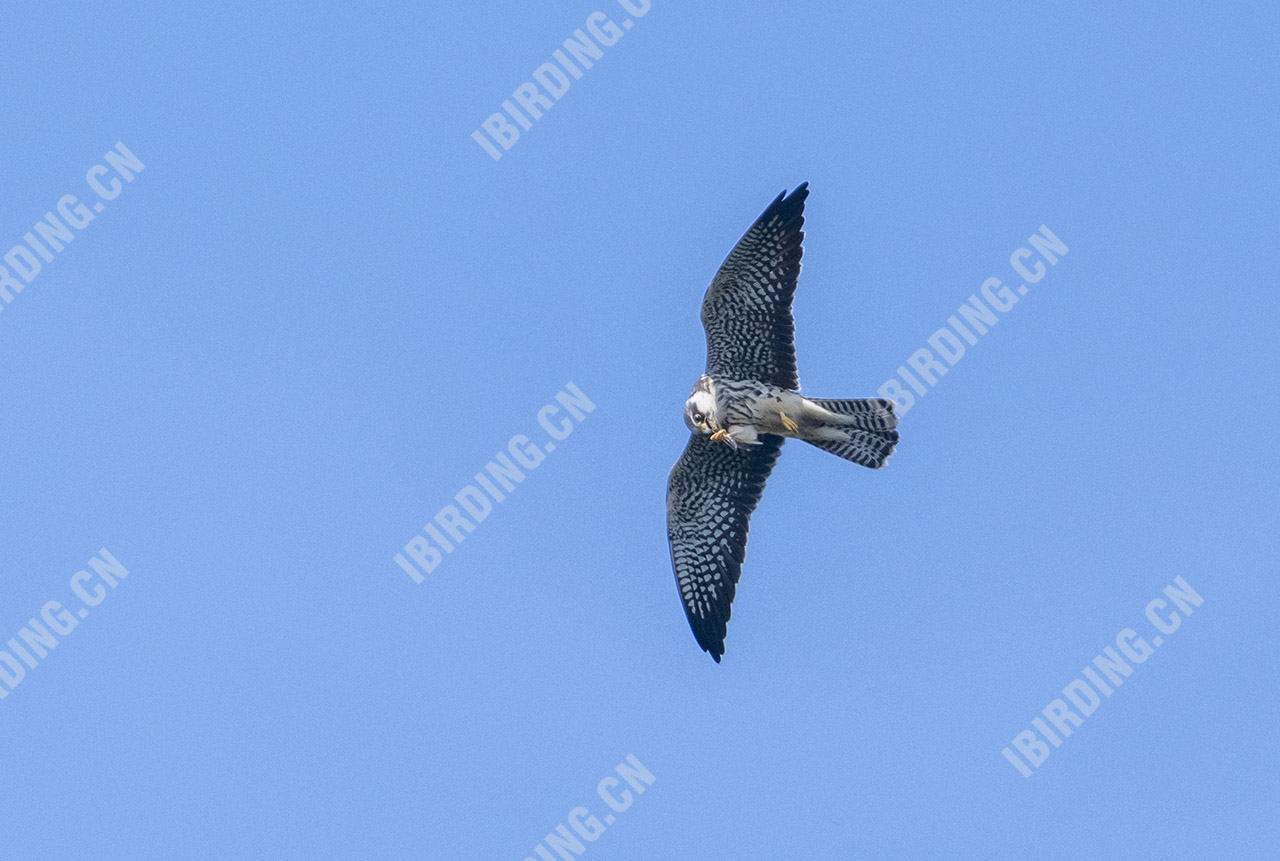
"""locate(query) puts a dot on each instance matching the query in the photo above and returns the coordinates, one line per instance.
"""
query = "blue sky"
(321, 307)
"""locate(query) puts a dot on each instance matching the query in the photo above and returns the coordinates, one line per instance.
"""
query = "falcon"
(743, 408)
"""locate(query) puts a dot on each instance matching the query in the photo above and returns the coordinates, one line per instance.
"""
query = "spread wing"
(710, 496)
(747, 309)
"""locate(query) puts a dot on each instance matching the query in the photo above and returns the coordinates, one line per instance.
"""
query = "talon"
(788, 423)
(719, 435)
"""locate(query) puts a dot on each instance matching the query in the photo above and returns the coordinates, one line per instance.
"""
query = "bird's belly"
(782, 414)
(762, 408)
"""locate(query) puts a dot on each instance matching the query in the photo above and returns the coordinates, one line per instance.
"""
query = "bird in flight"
(742, 409)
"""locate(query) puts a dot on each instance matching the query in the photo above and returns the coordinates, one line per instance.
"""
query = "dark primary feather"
(711, 493)
(747, 309)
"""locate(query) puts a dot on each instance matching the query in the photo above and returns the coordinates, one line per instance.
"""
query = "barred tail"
(873, 414)
(866, 426)
(869, 448)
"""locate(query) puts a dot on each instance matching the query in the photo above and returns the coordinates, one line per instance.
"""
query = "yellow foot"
(788, 423)
(720, 435)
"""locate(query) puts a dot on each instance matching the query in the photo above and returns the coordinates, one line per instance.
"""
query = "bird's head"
(699, 410)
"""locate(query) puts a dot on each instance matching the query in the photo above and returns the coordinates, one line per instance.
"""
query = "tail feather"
(870, 414)
(868, 448)
(856, 429)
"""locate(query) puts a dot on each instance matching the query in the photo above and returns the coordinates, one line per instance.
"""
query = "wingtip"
(802, 189)
(789, 207)
(711, 641)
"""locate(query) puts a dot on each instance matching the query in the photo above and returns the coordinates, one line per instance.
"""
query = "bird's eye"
(698, 417)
